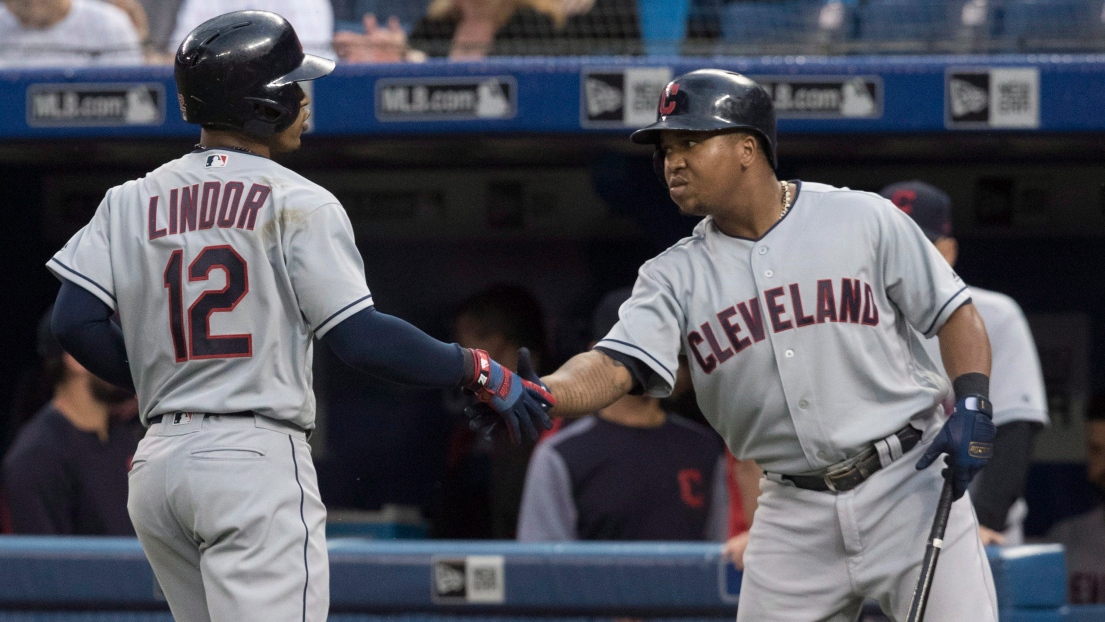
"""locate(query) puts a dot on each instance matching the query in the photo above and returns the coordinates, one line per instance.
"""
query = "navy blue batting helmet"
(239, 71)
(708, 100)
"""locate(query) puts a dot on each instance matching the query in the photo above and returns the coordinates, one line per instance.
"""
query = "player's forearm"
(748, 475)
(588, 382)
(964, 346)
(389, 348)
(1002, 482)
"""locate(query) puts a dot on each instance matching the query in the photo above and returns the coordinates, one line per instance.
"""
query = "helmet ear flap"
(658, 165)
(269, 117)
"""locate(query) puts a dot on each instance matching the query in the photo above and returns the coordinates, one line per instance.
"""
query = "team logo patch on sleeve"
(216, 161)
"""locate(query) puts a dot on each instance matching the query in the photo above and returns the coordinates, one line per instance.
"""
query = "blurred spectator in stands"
(136, 13)
(1083, 536)
(628, 472)
(349, 14)
(474, 29)
(66, 472)
(377, 44)
(160, 48)
(1016, 379)
(71, 33)
(313, 20)
(500, 320)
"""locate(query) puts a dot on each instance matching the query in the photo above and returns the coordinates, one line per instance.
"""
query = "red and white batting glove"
(521, 400)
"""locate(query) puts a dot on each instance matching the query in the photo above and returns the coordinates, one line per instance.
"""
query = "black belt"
(859, 469)
(157, 418)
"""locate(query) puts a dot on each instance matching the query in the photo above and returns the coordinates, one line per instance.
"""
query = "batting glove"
(968, 440)
(520, 401)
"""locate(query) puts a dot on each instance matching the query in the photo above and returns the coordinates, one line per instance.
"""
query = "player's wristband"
(973, 383)
(477, 369)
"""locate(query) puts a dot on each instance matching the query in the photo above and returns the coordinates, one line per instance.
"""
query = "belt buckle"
(828, 479)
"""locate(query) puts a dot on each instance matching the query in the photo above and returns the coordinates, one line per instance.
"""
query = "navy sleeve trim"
(75, 273)
(941, 311)
(340, 311)
(652, 358)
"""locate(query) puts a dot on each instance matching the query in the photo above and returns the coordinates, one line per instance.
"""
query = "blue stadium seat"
(663, 25)
(908, 20)
(1037, 22)
(778, 21)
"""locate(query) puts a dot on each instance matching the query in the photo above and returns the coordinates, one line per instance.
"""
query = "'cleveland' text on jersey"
(801, 344)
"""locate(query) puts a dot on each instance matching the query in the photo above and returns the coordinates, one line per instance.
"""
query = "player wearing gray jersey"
(223, 267)
(1016, 382)
(798, 306)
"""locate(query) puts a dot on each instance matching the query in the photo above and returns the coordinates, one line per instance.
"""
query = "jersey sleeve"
(1016, 381)
(649, 329)
(86, 258)
(325, 268)
(917, 278)
(548, 511)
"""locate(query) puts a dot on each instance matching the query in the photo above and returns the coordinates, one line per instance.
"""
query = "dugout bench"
(75, 579)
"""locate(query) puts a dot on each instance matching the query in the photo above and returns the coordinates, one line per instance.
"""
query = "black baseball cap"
(928, 206)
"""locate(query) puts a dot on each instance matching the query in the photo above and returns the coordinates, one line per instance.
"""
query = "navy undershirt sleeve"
(1002, 482)
(386, 347)
(637, 369)
(82, 324)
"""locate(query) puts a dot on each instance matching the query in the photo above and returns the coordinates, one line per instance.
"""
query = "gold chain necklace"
(786, 198)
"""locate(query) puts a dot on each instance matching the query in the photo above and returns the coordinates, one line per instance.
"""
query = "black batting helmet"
(238, 71)
(708, 100)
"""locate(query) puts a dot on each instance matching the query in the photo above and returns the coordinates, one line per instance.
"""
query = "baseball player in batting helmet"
(223, 268)
(800, 307)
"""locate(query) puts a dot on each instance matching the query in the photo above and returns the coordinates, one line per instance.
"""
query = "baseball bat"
(932, 553)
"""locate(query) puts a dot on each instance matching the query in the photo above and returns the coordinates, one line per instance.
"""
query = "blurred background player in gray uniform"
(798, 305)
(1016, 381)
(223, 492)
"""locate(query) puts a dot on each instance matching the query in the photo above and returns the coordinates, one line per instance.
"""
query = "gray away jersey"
(222, 266)
(801, 345)
(1016, 379)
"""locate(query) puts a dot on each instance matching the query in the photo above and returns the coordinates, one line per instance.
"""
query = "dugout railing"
(74, 579)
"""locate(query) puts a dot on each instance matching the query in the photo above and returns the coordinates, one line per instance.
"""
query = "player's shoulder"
(291, 189)
(682, 253)
(566, 434)
(40, 436)
(695, 430)
(843, 198)
(288, 188)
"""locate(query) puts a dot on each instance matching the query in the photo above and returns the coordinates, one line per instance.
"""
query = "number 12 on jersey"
(191, 329)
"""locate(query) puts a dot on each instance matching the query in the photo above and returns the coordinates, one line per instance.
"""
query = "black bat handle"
(932, 553)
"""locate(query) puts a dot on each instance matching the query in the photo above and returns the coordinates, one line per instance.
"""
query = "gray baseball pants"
(229, 515)
(817, 555)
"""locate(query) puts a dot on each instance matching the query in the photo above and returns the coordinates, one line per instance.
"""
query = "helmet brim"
(650, 134)
(312, 68)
